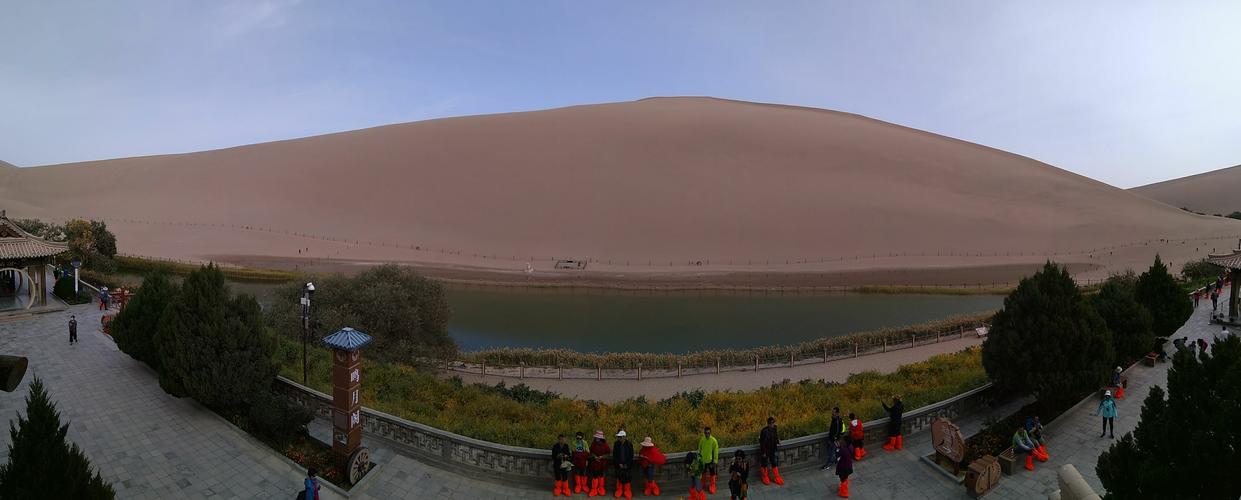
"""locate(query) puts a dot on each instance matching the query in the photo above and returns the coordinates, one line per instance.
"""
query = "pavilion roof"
(16, 243)
(1230, 261)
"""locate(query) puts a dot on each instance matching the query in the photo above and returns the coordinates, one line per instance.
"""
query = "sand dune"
(650, 187)
(1214, 192)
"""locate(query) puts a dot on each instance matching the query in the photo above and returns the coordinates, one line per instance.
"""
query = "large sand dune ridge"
(1214, 192)
(651, 186)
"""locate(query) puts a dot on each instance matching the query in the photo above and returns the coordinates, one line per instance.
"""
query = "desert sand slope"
(650, 186)
(1214, 192)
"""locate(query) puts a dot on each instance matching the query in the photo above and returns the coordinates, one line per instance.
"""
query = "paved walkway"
(151, 445)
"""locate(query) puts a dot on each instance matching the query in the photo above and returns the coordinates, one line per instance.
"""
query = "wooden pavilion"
(1231, 262)
(23, 265)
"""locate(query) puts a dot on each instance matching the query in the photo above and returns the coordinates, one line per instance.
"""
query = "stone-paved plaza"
(151, 445)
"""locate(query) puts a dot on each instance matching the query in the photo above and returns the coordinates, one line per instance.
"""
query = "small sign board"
(947, 440)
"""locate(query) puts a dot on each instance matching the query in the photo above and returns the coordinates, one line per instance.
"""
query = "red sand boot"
(655, 488)
(556, 490)
(863, 451)
(890, 445)
(693, 493)
(775, 471)
(646, 491)
(712, 490)
(763, 473)
(857, 454)
(578, 483)
(1029, 461)
(620, 489)
(628, 491)
(844, 489)
(595, 486)
(900, 442)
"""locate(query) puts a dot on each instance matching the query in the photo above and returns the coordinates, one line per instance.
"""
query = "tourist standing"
(622, 459)
(844, 465)
(649, 456)
(310, 490)
(835, 430)
(694, 469)
(896, 441)
(562, 465)
(768, 441)
(857, 434)
(739, 477)
(1107, 409)
(1023, 444)
(1197, 295)
(709, 452)
(581, 460)
(103, 298)
(73, 329)
(599, 454)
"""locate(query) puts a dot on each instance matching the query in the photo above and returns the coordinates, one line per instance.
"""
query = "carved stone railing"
(518, 465)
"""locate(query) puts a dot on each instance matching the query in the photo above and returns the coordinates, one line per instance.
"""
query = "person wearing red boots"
(694, 469)
(739, 477)
(599, 454)
(1034, 428)
(896, 441)
(622, 459)
(844, 465)
(581, 461)
(649, 457)
(709, 453)
(1022, 444)
(768, 441)
(857, 434)
(562, 465)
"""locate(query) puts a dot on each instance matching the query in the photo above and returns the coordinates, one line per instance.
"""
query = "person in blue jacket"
(1107, 409)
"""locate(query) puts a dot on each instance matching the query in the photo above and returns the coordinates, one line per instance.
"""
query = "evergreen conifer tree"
(134, 328)
(1128, 321)
(1168, 304)
(42, 463)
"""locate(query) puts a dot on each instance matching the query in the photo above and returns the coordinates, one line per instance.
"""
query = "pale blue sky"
(1127, 92)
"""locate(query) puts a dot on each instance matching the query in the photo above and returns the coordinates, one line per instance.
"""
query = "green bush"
(1188, 432)
(134, 328)
(405, 313)
(276, 421)
(1168, 304)
(520, 416)
(1128, 321)
(1047, 340)
(213, 347)
(42, 462)
(1199, 271)
(64, 289)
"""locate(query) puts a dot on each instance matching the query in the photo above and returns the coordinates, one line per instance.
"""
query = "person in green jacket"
(709, 451)
(693, 468)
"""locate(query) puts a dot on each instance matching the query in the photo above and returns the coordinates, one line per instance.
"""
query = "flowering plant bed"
(310, 453)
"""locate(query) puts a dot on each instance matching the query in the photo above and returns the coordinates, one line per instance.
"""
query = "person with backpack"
(844, 464)
(835, 430)
(649, 457)
(709, 453)
(600, 452)
(739, 477)
(311, 486)
(581, 461)
(622, 459)
(896, 441)
(768, 441)
(857, 434)
(694, 469)
(562, 465)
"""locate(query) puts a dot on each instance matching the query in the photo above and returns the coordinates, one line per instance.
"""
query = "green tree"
(43, 464)
(1128, 321)
(405, 313)
(1168, 304)
(81, 239)
(1189, 432)
(1047, 340)
(134, 328)
(105, 241)
(1199, 270)
(214, 348)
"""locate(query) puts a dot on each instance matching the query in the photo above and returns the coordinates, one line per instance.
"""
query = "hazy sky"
(1127, 92)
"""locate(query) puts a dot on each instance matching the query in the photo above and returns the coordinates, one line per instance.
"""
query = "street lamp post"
(76, 264)
(307, 290)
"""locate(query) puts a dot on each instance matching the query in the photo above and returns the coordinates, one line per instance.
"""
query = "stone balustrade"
(519, 465)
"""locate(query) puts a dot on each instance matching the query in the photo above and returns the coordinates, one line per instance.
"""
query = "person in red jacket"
(648, 458)
(857, 435)
(600, 452)
(581, 460)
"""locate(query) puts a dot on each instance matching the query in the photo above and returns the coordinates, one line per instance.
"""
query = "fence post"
(484, 363)
(717, 366)
(678, 369)
(855, 349)
(885, 345)
(639, 371)
(936, 336)
(598, 371)
(913, 339)
(824, 354)
(755, 362)
(790, 360)
(962, 332)
(559, 371)
(445, 364)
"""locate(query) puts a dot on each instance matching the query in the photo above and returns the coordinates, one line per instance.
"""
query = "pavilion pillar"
(1232, 298)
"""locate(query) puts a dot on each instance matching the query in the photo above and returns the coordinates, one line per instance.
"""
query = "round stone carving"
(947, 440)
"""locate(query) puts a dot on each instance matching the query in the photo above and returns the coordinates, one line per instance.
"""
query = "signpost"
(352, 458)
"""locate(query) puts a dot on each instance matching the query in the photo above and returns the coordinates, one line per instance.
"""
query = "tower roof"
(347, 339)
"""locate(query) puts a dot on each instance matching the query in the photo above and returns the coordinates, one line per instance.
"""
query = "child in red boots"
(694, 468)
(768, 441)
(580, 450)
(562, 465)
(739, 477)
(857, 434)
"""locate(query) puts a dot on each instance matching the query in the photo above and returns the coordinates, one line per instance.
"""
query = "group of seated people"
(1030, 441)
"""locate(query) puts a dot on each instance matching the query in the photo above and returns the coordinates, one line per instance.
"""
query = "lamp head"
(310, 288)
